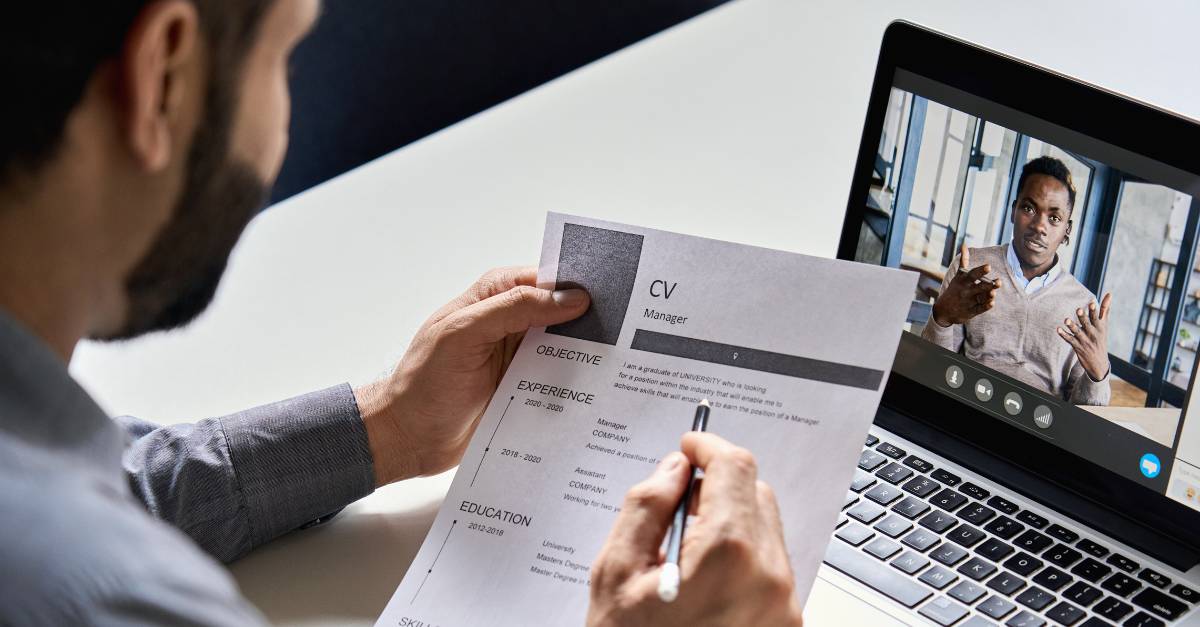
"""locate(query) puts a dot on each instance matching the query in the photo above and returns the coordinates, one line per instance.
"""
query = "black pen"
(668, 579)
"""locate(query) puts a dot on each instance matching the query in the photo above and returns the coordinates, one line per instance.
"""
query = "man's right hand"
(733, 564)
(967, 294)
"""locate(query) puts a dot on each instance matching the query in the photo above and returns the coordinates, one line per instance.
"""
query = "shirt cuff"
(299, 461)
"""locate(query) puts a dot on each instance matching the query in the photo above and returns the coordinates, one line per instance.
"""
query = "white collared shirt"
(1029, 286)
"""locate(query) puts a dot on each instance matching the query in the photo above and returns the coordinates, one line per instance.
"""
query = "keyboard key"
(1094, 622)
(943, 611)
(1052, 578)
(893, 526)
(949, 554)
(1091, 548)
(974, 491)
(1004, 527)
(1062, 533)
(993, 549)
(1003, 505)
(862, 481)
(865, 569)
(854, 534)
(890, 451)
(948, 499)
(918, 464)
(1159, 604)
(870, 460)
(910, 562)
(1032, 541)
(865, 512)
(976, 514)
(1185, 593)
(1142, 619)
(977, 568)
(966, 535)
(1065, 613)
(922, 486)
(851, 498)
(872, 440)
(1112, 609)
(1023, 563)
(938, 577)
(1122, 562)
(1029, 518)
(1062, 556)
(894, 473)
(977, 621)
(938, 521)
(910, 507)
(841, 521)
(882, 548)
(1025, 619)
(1091, 570)
(921, 539)
(1121, 584)
(1035, 598)
(1156, 579)
(883, 494)
(1082, 594)
(946, 477)
(1006, 583)
(996, 607)
(968, 592)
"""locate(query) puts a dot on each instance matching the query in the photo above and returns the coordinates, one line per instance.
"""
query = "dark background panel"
(378, 74)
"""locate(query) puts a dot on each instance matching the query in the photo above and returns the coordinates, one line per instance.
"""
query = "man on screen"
(1030, 320)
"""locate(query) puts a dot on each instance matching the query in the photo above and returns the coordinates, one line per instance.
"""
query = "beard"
(178, 276)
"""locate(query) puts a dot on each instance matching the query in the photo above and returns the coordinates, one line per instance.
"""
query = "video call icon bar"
(984, 390)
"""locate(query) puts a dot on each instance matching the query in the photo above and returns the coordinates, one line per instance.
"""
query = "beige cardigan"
(1017, 336)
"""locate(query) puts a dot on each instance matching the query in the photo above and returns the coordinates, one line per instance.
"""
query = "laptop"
(1029, 465)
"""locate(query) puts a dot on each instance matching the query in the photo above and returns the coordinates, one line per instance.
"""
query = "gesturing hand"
(967, 295)
(1089, 337)
(733, 564)
(420, 418)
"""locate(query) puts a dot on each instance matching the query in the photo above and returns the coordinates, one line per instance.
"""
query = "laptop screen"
(1059, 287)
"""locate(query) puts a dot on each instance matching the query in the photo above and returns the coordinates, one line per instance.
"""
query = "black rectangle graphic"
(605, 263)
(760, 360)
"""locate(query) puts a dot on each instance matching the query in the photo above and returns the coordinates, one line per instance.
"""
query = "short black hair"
(50, 49)
(1049, 166)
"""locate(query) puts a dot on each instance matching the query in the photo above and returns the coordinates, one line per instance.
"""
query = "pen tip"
(704, 402)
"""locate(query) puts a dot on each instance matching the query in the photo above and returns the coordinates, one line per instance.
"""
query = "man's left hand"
(421, 417)
(1089, 337)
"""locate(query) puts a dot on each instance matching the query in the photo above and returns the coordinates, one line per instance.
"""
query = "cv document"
(791, 351)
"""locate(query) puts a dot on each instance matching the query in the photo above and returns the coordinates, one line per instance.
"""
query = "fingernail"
(570, 298)
(671, 462)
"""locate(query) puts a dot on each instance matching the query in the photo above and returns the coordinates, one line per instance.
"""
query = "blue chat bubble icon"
(1150, 465)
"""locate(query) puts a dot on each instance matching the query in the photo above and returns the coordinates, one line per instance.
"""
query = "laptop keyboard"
(963, 554)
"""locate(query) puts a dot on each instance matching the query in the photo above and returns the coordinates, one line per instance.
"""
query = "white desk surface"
(741, 124)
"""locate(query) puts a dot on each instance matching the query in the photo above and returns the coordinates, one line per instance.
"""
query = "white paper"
(575, 422)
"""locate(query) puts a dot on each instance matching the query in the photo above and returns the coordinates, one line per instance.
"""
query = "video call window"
(944, 178)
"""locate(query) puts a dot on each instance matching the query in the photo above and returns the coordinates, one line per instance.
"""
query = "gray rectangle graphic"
(760, 360)
(605, 263)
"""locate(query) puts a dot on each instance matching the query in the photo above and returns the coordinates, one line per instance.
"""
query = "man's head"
(140, 136)
(1041, 213)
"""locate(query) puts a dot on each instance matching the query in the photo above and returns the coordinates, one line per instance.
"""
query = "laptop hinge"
(1052, 496)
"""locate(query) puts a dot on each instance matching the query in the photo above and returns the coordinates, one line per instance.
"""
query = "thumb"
(645, 516)
(518, 309)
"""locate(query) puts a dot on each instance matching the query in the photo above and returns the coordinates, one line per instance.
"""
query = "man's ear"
(158, 67)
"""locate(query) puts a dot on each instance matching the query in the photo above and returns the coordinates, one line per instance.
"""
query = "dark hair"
(49, 50)
(1049, 166)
